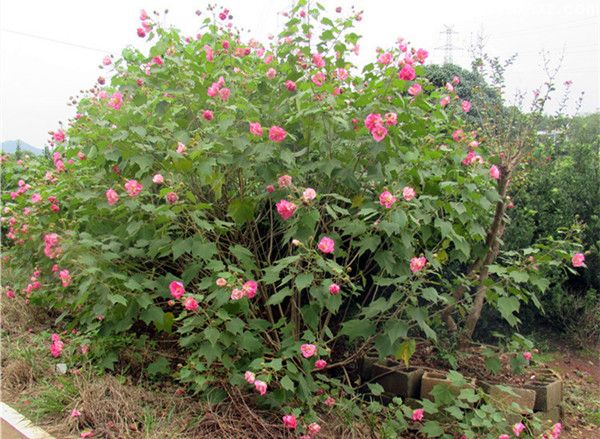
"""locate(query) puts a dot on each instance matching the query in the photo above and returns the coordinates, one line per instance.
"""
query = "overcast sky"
(38, 75)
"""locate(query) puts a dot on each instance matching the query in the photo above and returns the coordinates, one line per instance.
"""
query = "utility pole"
(448, 47)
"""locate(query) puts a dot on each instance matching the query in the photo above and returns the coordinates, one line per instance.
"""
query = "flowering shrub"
(270, 207)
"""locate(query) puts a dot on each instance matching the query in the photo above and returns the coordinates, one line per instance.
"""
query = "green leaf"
(241, 210)
(235, 326)
(430, 294)
(287, 383)
(507, 306)
(395, 329)
(204, 250)
(144, 300)
(304, 280)
(180, 247)
(357, 328)
(406, 351)
(117, 298)
(375, 388)
(212, 335)
(519, 276)
(493, 364)
(432, 429)
(278, 297)
(160, 366)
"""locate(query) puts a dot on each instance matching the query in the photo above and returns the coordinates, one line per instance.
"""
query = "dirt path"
(581, 373)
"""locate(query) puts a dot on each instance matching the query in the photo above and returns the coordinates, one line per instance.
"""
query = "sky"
(38, 72)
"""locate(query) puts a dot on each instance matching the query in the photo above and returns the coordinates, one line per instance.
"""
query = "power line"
(52, 40)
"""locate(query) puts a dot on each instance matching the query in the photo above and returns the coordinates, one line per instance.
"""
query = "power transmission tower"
(448, 47)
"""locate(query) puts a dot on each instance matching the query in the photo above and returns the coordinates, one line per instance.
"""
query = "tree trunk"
(493, 244)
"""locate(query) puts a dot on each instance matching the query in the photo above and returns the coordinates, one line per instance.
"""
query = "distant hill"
(11, 146)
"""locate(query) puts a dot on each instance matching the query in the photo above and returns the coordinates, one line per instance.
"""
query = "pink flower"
(190, 303)
(373, 120)
(115, 101)
(141, 32)
(236, 294)
(249, 289)
(208, 115)
(386, 199)
(106, 60)
(75, 413)
(80, 155)
(59, 136)
(318, 79)
(504, 436)
(57, 346)
(249, 377)
(495, 172)
(556, 429)
(290, 85)
(385, 58)
(289, 421)
(10, 294)
(390, 119)
(527, 356)
(407, 73)
(578, 260)
(314, 429)
(408, 193)
(271, 73)
(466, 106)
(445, 101)
(334, 289)
(177, 289)
(341, 73)
(329, 402)
(308, 350)
(86, 434)
(65, 278)
(309, 194)
(379, 133)
(318, 60)
(415, 89)
(224, 94)
(455, 80)
(284, 181)
(111, 196)
(171, 197)
(36, 198)
(421, 55)
(256, 129)
(158, 179)
(320, 364)
(326, 245)
(261, 387)
(221, 282)
(277, 134)
(518, 429)
(417, 264)
(133, 188)
(181, 148)
(270, 188)
(417, 415)
(458, 135)
(286, 209)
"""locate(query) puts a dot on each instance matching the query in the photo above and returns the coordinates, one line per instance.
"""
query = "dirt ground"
(581, 374)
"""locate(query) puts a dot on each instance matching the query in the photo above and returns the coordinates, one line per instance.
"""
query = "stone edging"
(13, 425)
